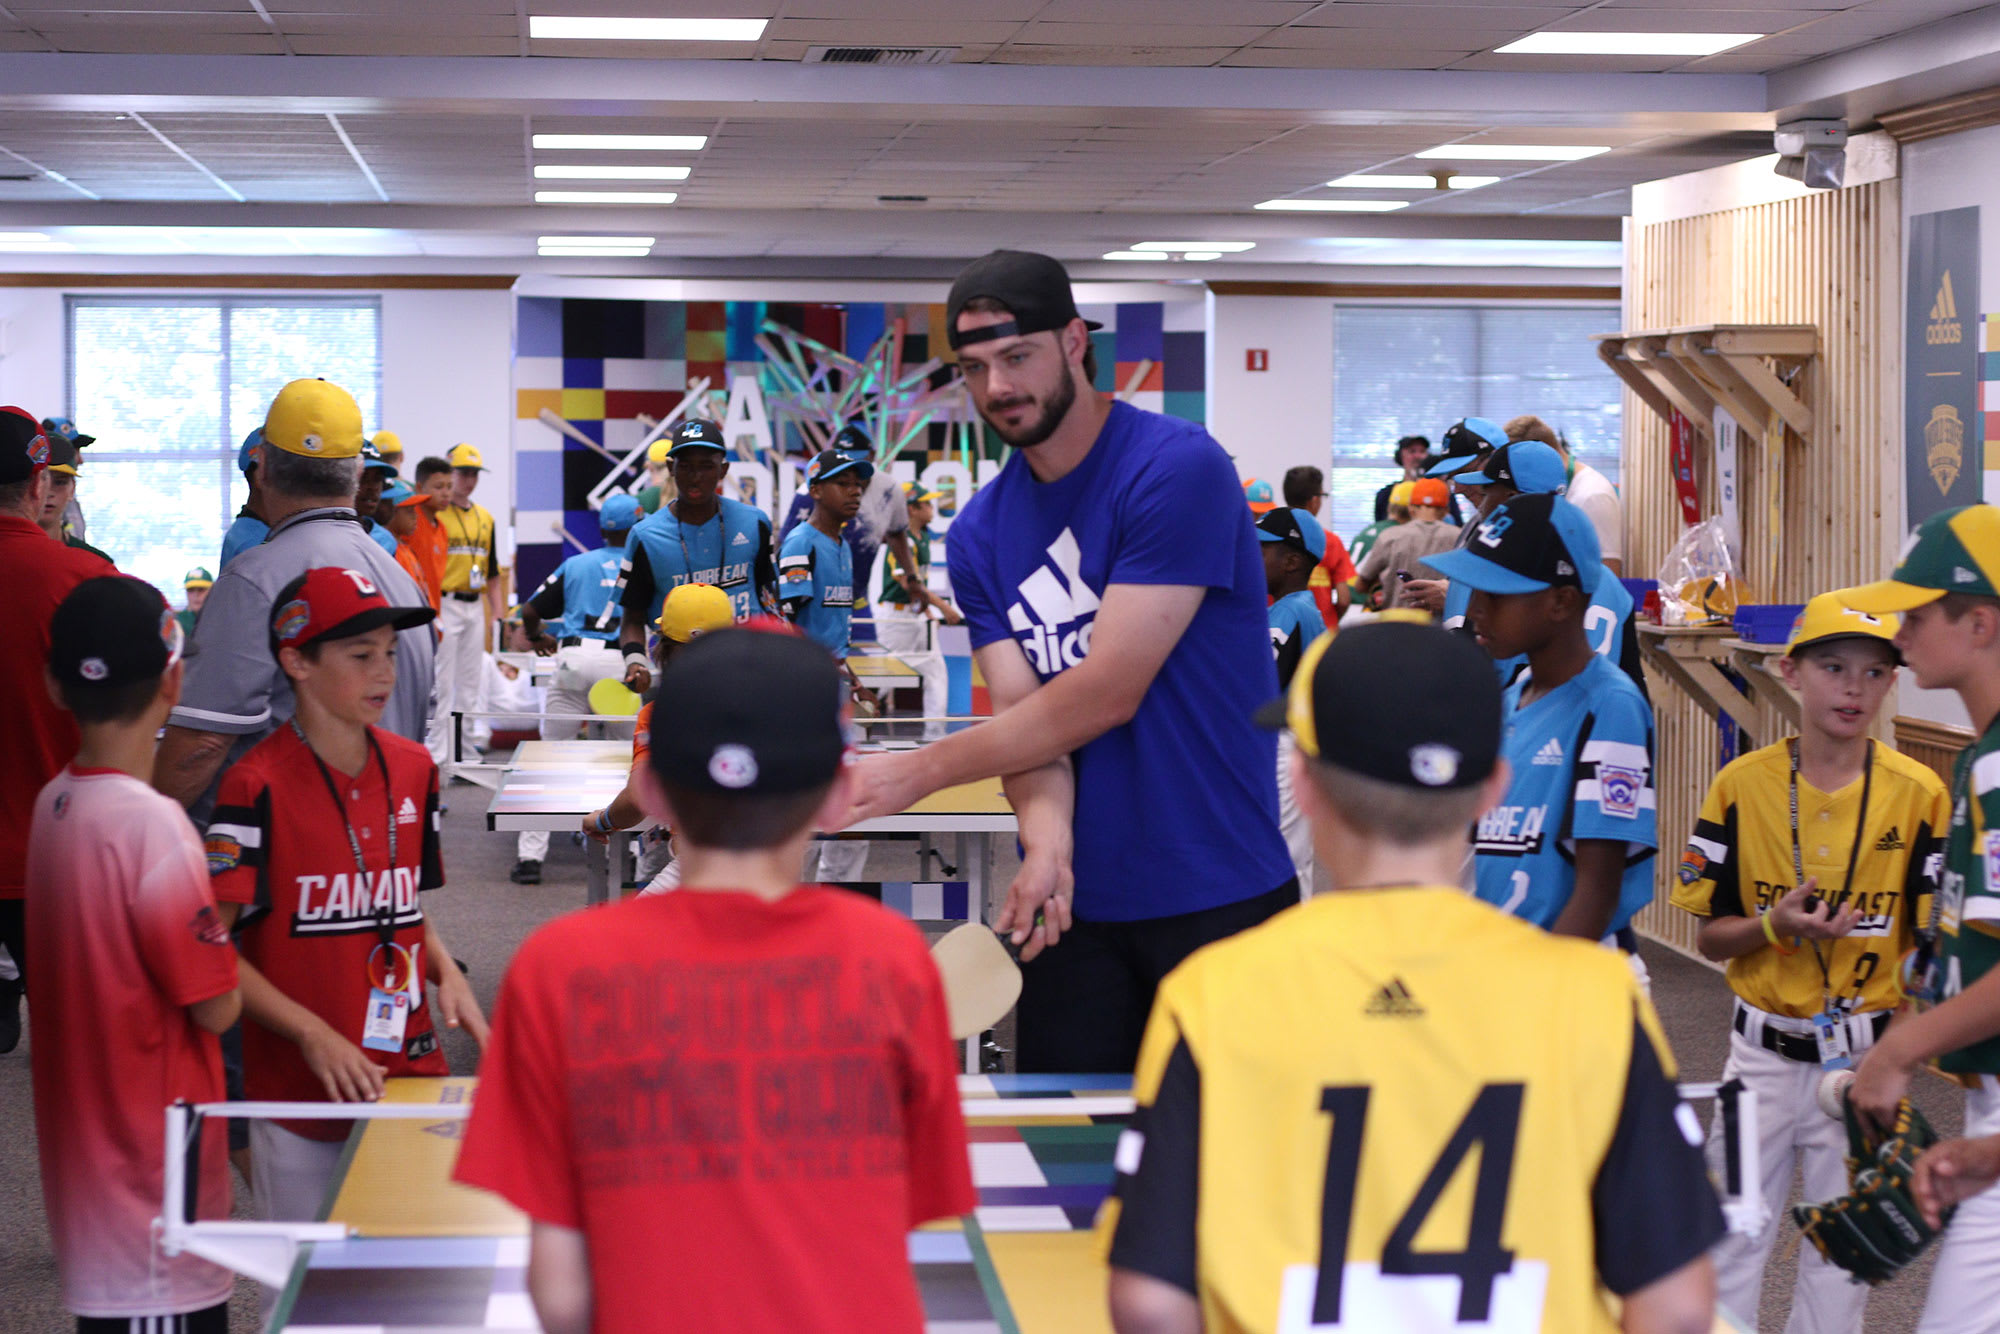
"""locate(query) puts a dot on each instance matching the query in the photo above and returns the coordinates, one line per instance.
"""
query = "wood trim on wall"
(1934, 744)
(483, 282)
(1444, 291)
(1949, 115)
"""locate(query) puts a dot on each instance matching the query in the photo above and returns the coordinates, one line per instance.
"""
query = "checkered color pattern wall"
(601, 364)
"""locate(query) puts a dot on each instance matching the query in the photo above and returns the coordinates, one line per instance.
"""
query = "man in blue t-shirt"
(1111, 582)
(703, 537)
(1571, 848)
(816, 566)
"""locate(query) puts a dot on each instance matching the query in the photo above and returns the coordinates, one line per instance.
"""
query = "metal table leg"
(596, 872)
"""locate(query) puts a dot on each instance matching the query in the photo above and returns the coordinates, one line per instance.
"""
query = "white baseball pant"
(459, 656)
(1965, 1286)
(908, 635)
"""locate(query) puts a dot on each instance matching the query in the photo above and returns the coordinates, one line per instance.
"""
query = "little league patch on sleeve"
(1618, 790)
(1692, 865)
(223, 852)
(1993, 861)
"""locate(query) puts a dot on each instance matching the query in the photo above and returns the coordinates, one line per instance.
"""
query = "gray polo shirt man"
(233, 683)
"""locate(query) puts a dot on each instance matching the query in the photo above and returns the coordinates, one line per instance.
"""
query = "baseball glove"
(1875, 1229)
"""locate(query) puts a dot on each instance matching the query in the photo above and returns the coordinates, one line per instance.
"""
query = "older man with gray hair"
(234, 695)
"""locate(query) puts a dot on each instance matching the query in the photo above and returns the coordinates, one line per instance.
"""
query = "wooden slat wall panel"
(1831, 260)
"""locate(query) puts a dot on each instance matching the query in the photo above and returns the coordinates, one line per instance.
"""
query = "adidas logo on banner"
(1394, 1001)
(1891, 841)
(1550, 753)
(1944, 326)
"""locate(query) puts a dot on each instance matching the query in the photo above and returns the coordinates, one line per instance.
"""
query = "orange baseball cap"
(1432, 492)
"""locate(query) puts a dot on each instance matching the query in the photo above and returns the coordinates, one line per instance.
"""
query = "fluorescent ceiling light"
(605, 196)
(645, 30)
(546, 172)
(1409, 182)
(593, 252)
(1153, 255)
(1219, 247)
(595, 240)
(1514, 152)
(1202, 254)
(684, 143)
(1626, 43)
(1333, 205)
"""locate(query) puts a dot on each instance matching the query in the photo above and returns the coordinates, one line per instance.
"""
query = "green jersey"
(893, 592)
(1357, 550)
(1969, 889)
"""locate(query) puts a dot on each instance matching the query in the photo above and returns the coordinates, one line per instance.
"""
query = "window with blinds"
(1414, 370)
(171, 387)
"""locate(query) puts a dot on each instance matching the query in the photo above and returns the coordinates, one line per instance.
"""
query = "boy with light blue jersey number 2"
(1571, 847)
(1293, 545)
(815, 566)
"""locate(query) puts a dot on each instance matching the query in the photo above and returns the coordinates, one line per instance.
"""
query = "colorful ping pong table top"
(430, 1255)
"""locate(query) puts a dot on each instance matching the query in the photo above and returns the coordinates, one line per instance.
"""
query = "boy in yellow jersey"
(1315, 1091)
(474, 595)
(1825, 839)
(1947, 587)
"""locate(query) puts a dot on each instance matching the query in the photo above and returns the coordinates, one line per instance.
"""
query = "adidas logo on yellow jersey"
(1891, 841)
(1394, 1001)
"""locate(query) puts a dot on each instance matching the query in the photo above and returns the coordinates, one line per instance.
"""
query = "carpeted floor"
(484, 918)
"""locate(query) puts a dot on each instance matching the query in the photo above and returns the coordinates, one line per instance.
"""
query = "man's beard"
(1044, 426)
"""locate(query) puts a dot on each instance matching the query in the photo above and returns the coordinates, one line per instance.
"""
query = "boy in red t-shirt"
(323, 836)
(725, 1107)
(133, 976)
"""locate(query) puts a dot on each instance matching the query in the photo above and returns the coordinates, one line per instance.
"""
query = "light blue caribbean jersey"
(816, 584)
(1582, 760)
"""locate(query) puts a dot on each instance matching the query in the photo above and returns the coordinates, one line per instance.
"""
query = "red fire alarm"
(1257, 359)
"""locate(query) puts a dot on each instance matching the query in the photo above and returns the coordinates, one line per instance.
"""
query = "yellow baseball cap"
(465, 456)
(1829, 617)
(1953, 551)
(388, 444)
(692, 610)
(316, 419)
(1400, 493)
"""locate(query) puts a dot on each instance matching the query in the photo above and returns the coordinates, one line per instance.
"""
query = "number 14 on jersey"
(1480, 1287)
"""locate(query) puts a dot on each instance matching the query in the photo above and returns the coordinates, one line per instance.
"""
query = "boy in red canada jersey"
(725, 1107)
(324, 833)
(134, 976)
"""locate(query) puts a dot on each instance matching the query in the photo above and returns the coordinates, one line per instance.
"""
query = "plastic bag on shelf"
(1699, 584)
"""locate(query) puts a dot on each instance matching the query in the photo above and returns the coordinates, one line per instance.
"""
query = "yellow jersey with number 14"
(1400, 1109)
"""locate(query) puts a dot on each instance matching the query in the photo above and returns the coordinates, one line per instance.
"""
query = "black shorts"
(1084, 1002)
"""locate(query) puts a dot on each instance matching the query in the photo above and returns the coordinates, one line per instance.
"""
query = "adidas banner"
(1943, 433)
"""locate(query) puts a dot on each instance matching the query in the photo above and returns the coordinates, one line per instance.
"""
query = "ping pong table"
(425, 1255)
(552, 785)
(882, 671)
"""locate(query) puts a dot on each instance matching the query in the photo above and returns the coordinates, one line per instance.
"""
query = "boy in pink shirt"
(134, 975)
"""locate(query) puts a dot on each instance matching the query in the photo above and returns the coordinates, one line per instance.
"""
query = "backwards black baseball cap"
(1034, 287)
(24, 449)
(112, 631)
(1453, 741)
(769, 715)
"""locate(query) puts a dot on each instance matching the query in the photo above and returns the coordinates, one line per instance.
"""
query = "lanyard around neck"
(1853, 854)
(385, 918)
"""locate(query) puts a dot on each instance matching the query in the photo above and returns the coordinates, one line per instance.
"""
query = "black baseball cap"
(767, 719)
(1034, 287)
(24, 448)
(697, 433)
(372, 460)
(853, 440)
(1453, 741)
(1534, 541)
(1465, 441)
(112, 631)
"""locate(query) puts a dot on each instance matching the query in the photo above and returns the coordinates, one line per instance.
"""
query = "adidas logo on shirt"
(1394, 1001)
(1057, 609)
(1891, 841)
(1550, 753)
(407, 812)
(740, 540)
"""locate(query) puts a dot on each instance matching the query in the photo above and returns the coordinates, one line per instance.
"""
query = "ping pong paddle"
(612, 696)
(981, 979)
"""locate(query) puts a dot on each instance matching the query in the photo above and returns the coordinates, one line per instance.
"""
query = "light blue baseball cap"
(619, 513)
(246, 456)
